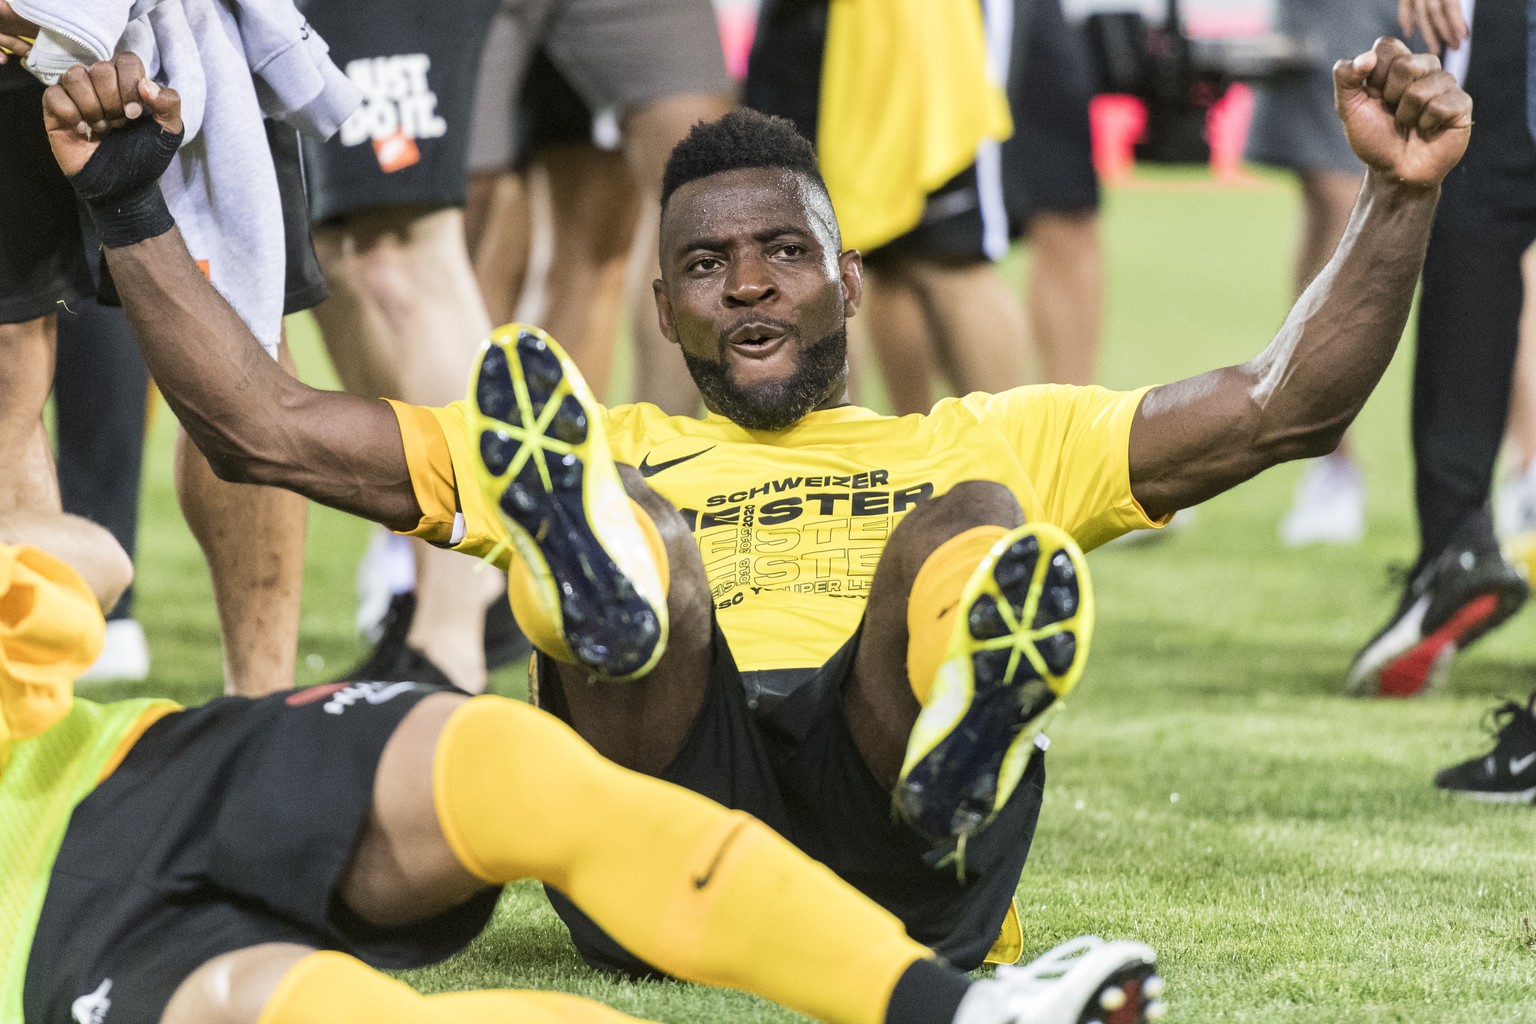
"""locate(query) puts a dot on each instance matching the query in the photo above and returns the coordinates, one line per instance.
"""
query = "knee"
(669, 521)
(234, 988)
(685, 567)
(386, 257)
(971, 503)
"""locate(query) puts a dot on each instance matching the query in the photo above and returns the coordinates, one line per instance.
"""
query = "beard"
(774, 405)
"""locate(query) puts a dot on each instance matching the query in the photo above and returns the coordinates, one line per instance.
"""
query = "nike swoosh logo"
(649, 468)
(389, 692)
(1517, 765)
(701, 881)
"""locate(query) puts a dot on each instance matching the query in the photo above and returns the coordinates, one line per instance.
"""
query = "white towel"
(233, 62)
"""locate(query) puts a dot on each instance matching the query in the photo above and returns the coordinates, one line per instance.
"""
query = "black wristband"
(120, 183)
(131, 216)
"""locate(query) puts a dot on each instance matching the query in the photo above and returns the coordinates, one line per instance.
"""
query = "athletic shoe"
(124, 654)
(390, 647)
(408, 666)
(1450, 602)
(504, 642)
(1020, 643)
(1514, 503)
(1329, 507)
(1507, 774)
(596, 590)
(1084, 981)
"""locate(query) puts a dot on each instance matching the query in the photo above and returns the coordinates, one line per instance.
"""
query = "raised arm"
(254, 422)
(1409, 122)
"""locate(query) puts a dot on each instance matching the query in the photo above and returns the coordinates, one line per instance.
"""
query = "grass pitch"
(1211, 792)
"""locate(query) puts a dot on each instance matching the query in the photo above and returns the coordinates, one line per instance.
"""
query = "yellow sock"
(51, 630)
(327, 988)
(528, 607)
(703, 893)
(935, 599)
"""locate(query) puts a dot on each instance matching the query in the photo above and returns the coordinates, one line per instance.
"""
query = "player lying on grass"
(241, 862)
(804, 609)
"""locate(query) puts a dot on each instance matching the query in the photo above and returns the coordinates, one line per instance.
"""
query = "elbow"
(235, 462)
(1309, 442)
(231, 465)
(1319, 443)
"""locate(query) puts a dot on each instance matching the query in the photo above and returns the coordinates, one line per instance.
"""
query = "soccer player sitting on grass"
(243, 862)
(796, 606)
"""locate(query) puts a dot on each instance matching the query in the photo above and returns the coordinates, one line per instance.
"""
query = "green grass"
(1210, 790)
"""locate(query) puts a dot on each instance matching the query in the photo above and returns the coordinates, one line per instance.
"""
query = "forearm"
(1333, 348)
(254, 422)
(1199, 437)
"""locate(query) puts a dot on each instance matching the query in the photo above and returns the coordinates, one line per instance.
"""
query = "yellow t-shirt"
(791, 523)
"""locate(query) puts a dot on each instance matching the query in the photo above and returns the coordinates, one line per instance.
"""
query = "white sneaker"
(1083, 980)
(1329, 506)
(124, 654)
(1514, 503)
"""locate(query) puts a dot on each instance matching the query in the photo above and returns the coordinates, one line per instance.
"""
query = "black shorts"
(550, 112)
(1046, 166)
(416, 65)
(794, 765)
(42, 256)
(226, 826)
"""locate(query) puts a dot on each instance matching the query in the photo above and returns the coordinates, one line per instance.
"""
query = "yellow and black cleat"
(1020, 643)
(589, 590)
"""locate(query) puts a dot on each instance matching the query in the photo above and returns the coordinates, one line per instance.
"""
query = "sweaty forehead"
(740, 202)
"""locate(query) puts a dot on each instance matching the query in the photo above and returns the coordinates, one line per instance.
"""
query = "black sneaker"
(1507, 773)
(505, 644)
(388, 648)
(1452, 600)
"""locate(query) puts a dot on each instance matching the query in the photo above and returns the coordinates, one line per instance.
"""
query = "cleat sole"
(1025, 638)
(551, 480)
(1125, 997)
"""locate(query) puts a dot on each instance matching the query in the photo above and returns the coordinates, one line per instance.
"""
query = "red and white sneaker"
(1455, 598)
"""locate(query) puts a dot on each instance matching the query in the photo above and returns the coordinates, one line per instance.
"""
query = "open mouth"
(757, 339)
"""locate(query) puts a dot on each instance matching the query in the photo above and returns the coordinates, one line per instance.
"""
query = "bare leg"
(1066, 295)
(28, 350)
(650, 132)
(515, 794)
(973, 322)
(281, 983)
(898, 333)
(498, 224)
(402, 321)
(253, 541)
(641, 724)
(595, 212)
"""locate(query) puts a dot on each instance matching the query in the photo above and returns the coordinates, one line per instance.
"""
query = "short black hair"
(741, 139)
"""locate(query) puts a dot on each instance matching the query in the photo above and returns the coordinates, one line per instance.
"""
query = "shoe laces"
(1498, 720)
(1023, 980)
